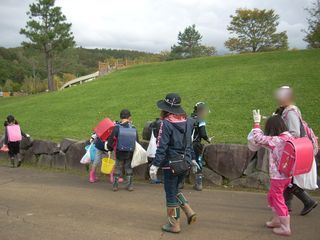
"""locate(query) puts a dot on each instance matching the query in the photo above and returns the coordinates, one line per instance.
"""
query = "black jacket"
(171, 141)
(200, 130)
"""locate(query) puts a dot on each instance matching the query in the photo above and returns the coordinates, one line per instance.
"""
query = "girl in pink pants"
(274, 139)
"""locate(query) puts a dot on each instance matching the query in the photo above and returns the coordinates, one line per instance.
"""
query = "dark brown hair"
(275, 126)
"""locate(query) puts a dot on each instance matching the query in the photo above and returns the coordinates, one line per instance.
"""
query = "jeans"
(123, 163)
(97, 158)
(275, 196)
(171, 187)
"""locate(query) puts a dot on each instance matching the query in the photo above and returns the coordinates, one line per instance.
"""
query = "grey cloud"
(151, 25)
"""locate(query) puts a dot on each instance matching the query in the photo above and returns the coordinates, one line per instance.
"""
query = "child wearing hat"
(123, 141)
(174, 142)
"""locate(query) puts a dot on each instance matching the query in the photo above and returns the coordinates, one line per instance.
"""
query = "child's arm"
(5, 136)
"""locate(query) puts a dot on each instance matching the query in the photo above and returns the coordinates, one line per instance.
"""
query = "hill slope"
(231, 85)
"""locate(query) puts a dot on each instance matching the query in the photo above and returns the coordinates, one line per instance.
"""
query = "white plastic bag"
(86, 159)
(139, 156)
(152, 147)
(307, 181)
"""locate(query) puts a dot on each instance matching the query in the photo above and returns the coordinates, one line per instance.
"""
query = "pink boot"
(284, 229)
(274, 223)
(92, 176)
(111, 177)
(120, 180)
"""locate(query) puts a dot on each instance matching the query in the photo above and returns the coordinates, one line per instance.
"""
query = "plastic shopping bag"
(4, 149)
(152, 147)
(86, 159)
(107, 165)
(139, 156)
(92, 151)
(308, 180)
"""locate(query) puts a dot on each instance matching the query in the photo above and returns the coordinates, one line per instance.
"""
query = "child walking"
(12, 138)
(274, 139)
(125, 136)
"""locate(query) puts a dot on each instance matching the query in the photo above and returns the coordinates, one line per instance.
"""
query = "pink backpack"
(14, 133)
(297, 157)
(308, 132)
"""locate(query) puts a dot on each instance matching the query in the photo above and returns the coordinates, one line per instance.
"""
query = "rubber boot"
(115, 186)
(129, 183)
(184, 204)
(288, 197)
(12, 162)
(284, 229)
(173, 225)
(275, 222)
(304, 197)
(19, 162)
(198, 182)
(92, 176)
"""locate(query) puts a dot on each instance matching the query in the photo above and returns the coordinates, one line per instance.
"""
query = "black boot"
(12, 162)
(198, 182)
(288, 196)
(304, 197)
(129, 183)
(115, 186)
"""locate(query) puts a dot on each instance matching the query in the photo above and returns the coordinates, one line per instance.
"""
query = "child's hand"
(256, 116)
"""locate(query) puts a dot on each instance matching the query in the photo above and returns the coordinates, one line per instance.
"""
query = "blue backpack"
(126, 139)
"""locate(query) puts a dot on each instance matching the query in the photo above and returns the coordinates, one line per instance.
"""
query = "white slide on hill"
(81, 80)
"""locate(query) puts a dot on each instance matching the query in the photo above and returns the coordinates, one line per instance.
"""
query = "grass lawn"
(231, 85)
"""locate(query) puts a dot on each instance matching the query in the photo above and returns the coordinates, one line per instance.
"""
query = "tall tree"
(48, 31)
(313, 32)
(189, 45)
(255, 31)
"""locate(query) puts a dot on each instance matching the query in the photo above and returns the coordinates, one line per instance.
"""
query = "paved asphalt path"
(36, 204)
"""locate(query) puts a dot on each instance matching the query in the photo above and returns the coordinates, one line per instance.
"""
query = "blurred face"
(203, 113)
(284, 97)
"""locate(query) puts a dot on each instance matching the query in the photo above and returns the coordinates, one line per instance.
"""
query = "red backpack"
(305, 131)
(297, 157)
(104, 129)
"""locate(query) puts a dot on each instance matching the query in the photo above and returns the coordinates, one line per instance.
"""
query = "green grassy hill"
(231, 85)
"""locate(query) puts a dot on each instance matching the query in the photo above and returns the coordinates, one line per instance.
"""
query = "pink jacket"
(275, 144)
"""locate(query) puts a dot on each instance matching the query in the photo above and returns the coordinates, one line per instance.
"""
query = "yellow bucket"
(107, 165)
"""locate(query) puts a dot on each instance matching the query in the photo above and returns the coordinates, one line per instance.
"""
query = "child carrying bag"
(297, 157)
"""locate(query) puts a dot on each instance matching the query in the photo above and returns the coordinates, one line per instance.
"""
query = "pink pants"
(275, 196)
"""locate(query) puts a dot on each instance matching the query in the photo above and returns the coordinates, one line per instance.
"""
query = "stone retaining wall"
(226, 164)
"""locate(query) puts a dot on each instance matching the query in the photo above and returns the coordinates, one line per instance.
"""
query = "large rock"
(210, 178)
(28, 156)
(140, 172)
(258, 180)
(146, 133)
(43, 147)
(59, 160)
(45, 160)
(228, 160)
(25, 143)
(144, 144)
(74, 155)
(66, 143)
(263, 160)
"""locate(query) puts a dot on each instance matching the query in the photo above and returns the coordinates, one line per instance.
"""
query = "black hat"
(171, 104)
(125, 114)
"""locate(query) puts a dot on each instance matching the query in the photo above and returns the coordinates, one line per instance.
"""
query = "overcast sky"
(151, 25)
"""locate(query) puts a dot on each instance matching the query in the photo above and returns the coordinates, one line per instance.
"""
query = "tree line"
(49, 51)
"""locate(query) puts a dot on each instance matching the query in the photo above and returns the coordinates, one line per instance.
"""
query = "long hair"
(275, 126)
(11, 119)
(164, 114)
